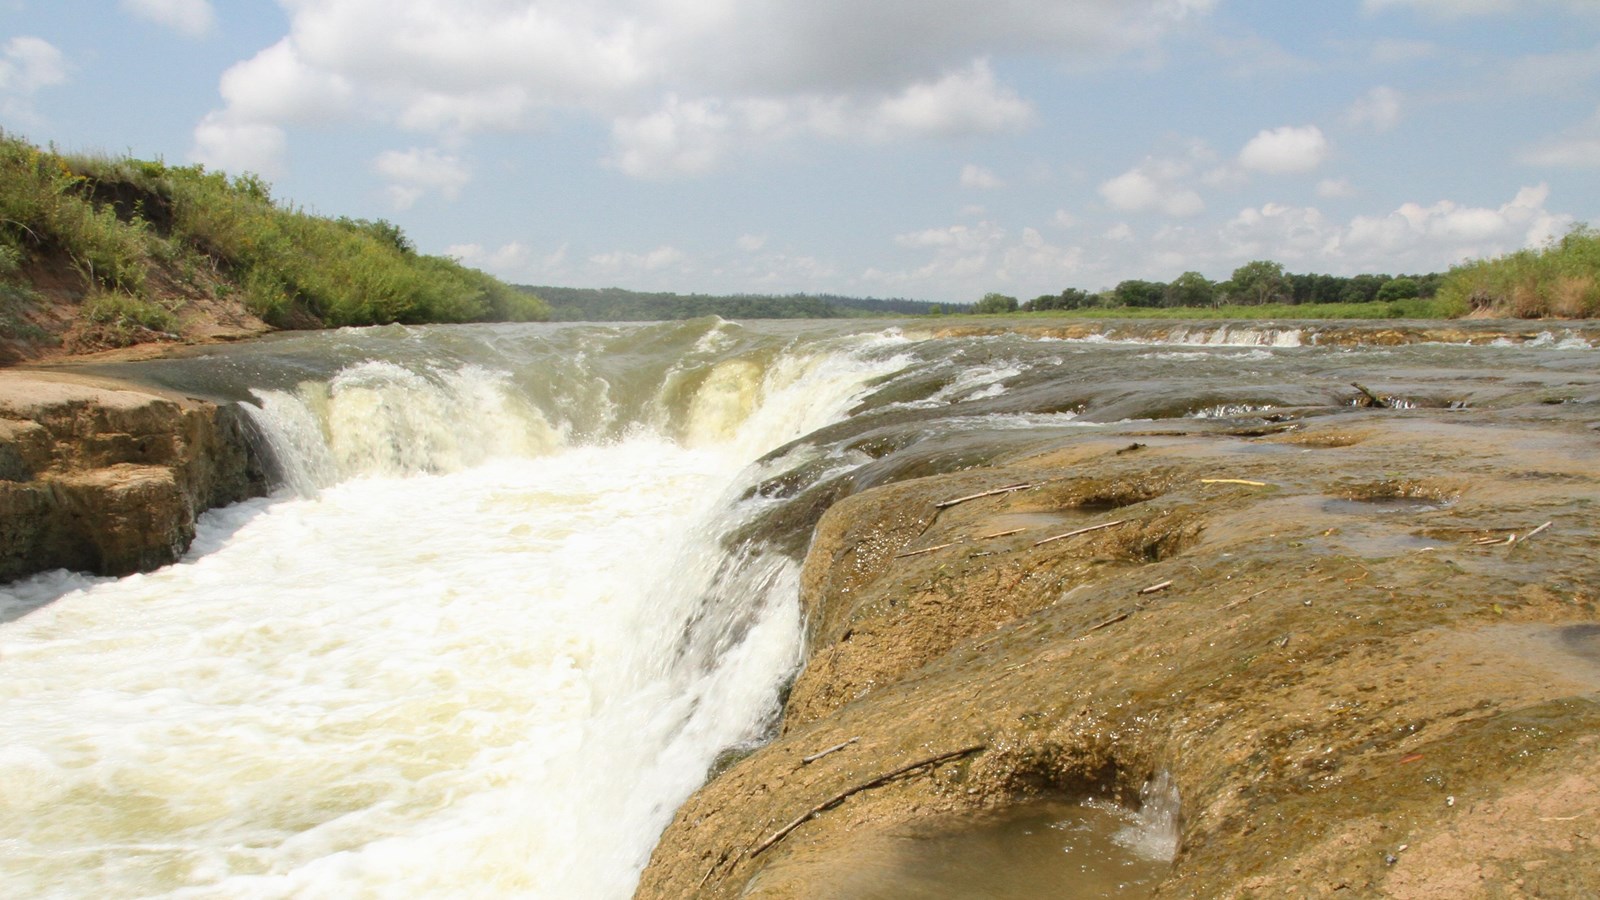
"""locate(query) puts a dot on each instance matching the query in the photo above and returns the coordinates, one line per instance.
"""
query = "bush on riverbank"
(1560, 279)
(144, 241)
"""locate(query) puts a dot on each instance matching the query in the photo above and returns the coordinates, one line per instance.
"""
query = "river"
(522, 586)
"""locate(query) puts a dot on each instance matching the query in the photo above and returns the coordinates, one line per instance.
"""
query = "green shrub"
(1560, 279)
(126, 313)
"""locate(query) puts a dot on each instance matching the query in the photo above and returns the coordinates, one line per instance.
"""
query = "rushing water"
(521, 585)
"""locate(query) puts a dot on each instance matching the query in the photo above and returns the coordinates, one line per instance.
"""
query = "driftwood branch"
(1001, 534)
(1373, 399)
(805, 761)
(783, 832)
(1233, 481)
(1157, 587)
(1060, 537)
(1020, 486)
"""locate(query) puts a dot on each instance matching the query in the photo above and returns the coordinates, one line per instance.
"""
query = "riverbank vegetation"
(98, 251)
(1560, 280)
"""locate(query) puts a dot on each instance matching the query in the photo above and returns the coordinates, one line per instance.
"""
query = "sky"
(927, 149)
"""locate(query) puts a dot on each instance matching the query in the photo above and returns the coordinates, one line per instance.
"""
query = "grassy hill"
(97, 252)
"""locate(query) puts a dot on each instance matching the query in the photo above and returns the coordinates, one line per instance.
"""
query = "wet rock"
(1343, 660)
(107, 478)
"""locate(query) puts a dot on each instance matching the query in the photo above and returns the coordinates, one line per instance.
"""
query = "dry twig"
(834, 749)
(1079, 531)
(1020, 486)
(925, 550)
(1516, 542)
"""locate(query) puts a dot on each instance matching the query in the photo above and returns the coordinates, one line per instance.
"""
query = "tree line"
(618, 305)
(1257, 283)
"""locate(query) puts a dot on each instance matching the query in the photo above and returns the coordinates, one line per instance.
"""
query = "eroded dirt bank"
(1369, 666)
(106, 477)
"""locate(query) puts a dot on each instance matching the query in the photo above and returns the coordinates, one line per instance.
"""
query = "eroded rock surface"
(1365, 667)
(101, 477)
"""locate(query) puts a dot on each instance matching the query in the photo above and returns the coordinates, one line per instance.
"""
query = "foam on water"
(464, 657)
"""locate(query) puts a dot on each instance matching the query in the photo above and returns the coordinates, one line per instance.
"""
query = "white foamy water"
(465, 659)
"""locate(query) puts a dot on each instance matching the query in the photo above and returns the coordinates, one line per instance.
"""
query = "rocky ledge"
(1364, 645)
(107, 478)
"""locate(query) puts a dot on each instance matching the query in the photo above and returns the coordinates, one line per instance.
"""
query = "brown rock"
(109, 478)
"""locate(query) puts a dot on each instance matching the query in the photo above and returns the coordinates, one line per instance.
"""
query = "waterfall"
(490, 634)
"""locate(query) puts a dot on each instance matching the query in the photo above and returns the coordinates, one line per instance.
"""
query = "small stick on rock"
(1516, 542)
(925, 550)
(1233, 481)
(1157, 587)
(1001, 534)
(805, 761)
(783, 832)
(1112, 621)
(1079, 531)
(1020, 486)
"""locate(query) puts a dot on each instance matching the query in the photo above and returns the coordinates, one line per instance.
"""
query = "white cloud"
(413, 173)
(237, 147)
(969, 101)
(1155, 185)
(979, 178)
(27, 64)
(751, 243)
(515, 261)
(277, 87)
(1379, 108)
(191, 18)
(1411, 238)
(682, 84)
(624, 262)
(684, 137)
(1451, 230)
(971, 260)
(1285, 150)
(1064, 219)
(681, 138)
(1334, 188)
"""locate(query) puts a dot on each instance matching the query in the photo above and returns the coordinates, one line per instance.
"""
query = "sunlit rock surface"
(109, 479)
(1346, 635)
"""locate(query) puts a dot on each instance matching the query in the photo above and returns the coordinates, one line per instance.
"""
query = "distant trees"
(1135, 292)
(1190, 289)
(1071, 298)
(995, 303)
(1255, 283)
(1258, 282)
